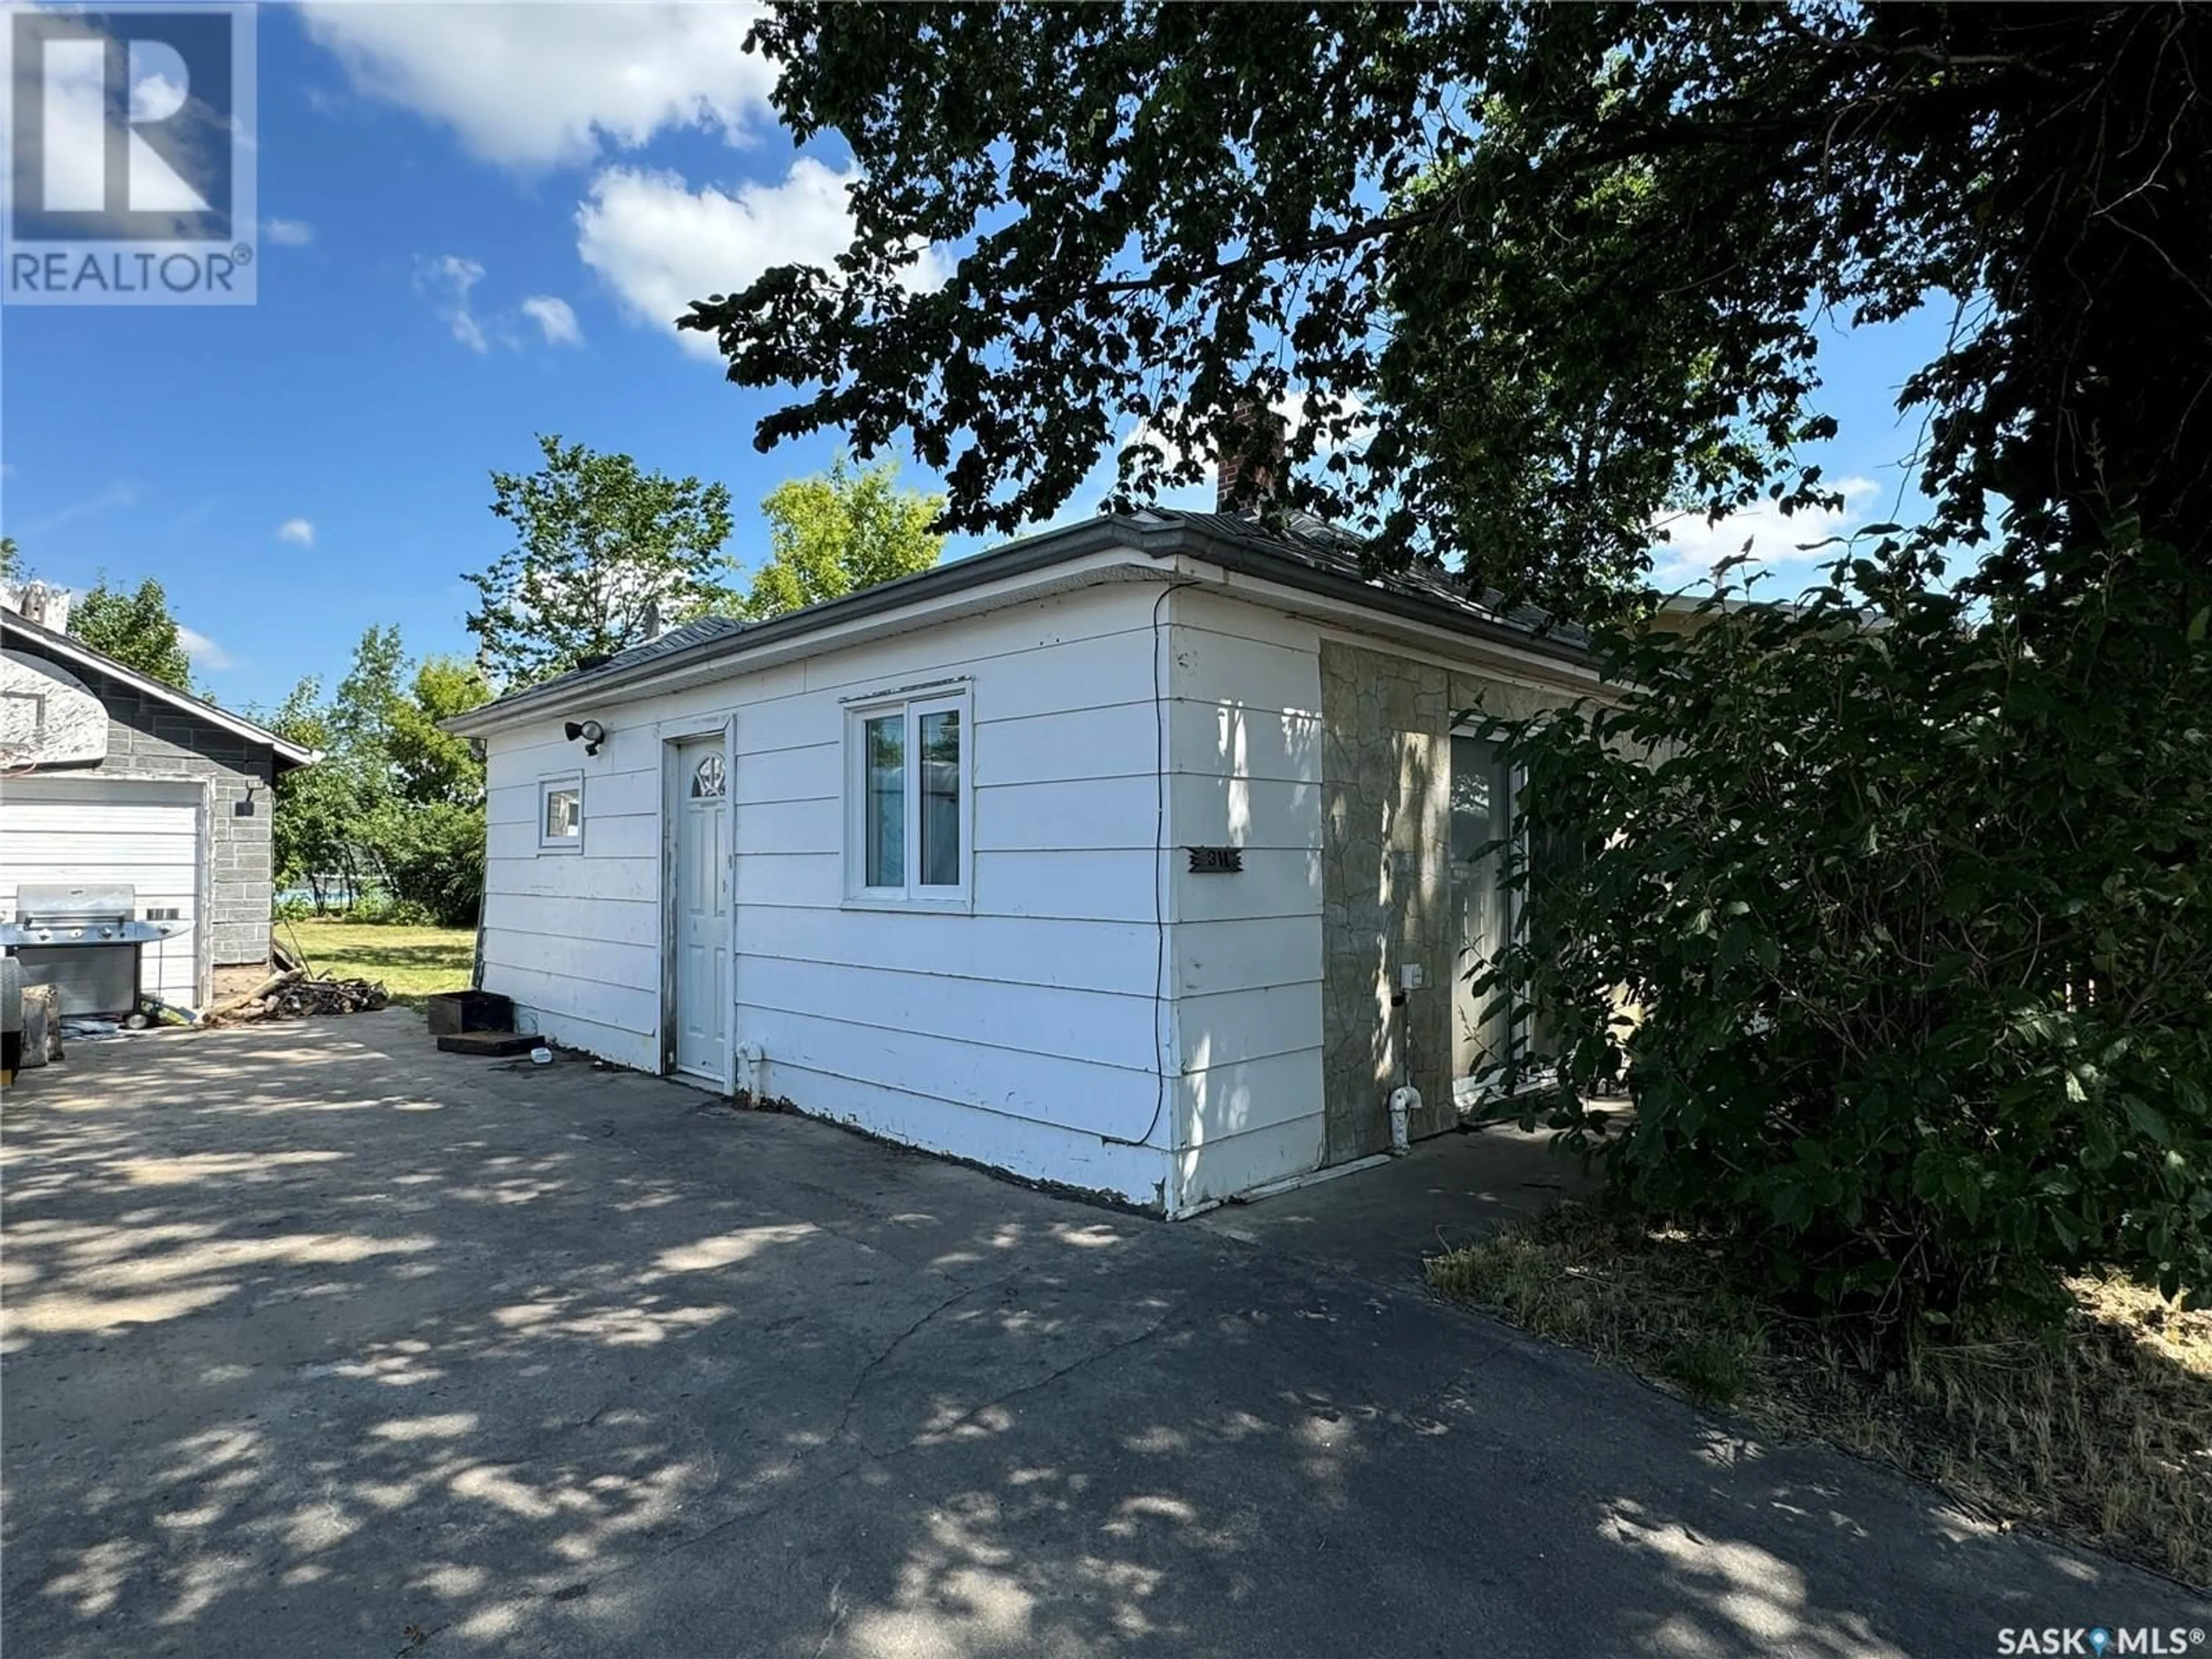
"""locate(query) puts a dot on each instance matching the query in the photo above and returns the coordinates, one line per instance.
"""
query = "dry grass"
(2103, 1435)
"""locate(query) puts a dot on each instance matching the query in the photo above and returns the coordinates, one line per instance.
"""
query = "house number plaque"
(1216, 860)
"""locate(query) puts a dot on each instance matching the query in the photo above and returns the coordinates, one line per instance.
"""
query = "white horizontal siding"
(605, 835)
(1118, 740)
(1084, 651)
(1247, 954)
(573, 936)
(621, 921)
(1245, 812)
(812, 771)
(626, 967)
(1244, 730)
(1092, 1026)
(1208, 1172)
(991, 951)
(1025, 1034)
(540, 887)
(1242, 1096)
(1222, 738)
(791, 826)
(1038, 1152)
(582, 991)
(1229, 1026)
(1014, 1081)
(1211, 663)
(1082, 814)
(1070, 884)
(815, 880)
(635, 1049)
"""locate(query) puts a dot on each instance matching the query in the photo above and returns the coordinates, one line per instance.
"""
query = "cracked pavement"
(320, 1342)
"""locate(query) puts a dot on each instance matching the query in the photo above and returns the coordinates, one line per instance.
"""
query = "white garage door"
(95, 829)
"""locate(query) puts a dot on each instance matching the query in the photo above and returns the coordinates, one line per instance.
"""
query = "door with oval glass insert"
(700, 858)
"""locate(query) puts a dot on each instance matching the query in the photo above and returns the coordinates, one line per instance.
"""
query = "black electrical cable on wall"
(1160, 759)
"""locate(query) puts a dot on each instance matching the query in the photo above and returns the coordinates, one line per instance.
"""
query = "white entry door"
(699, 855)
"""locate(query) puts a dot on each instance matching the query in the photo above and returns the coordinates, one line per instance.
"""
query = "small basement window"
(561, 813)
(907, 802)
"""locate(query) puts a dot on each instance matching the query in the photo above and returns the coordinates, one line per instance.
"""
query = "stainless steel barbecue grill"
(85, 941)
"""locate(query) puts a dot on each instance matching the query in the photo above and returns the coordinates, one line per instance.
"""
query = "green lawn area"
(412, 961)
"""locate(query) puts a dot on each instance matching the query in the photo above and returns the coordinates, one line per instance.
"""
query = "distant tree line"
(394, 811)
(392, 818)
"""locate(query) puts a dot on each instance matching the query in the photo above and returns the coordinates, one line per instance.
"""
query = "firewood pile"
(292, 994)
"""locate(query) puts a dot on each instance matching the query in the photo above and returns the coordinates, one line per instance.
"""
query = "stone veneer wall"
(150, 738)
(1386, 807)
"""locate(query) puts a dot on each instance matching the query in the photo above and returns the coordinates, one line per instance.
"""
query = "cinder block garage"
(115, 783)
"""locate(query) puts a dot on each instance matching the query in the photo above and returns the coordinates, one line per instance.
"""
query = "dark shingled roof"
(1291, 547)
(1333, 550)
(666, 644)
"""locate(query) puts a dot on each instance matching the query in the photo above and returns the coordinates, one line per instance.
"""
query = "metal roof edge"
(1252, 558)
(1014, 558)
(1161, 538)
(73, 649)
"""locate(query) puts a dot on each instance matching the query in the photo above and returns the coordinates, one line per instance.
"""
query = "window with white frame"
(906, 801)
(561, 813)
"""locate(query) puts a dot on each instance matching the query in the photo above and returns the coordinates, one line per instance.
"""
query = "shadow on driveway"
(318, 1342)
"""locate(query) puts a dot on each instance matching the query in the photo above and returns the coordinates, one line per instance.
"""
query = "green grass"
(412, 962)
(2104, 1435)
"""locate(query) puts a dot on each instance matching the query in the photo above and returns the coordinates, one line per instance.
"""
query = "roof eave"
(1160, 539)
(1013, 559)
(75, 650)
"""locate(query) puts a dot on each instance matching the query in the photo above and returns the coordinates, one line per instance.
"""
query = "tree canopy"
(604, 552)
(1522, 276)
(838, 532)
(395, 803)
(1905, 885)
(135, 629)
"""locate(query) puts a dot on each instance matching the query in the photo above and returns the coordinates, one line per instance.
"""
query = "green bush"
(432, 857)
(382, 910)
(1893, 914)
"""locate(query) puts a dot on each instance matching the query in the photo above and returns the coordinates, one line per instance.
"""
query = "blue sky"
(478, 221)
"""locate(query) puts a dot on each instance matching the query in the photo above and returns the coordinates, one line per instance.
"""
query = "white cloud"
(301, 533)
(555, 319)
(660, 245)
(1693, 547)
(287, 233)
(539, 86)
(204, 652)
(448, 281)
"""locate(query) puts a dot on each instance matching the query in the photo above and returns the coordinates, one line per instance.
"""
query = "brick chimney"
(1252, 458)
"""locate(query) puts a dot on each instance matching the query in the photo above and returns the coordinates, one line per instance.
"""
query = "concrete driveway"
(318, 1342)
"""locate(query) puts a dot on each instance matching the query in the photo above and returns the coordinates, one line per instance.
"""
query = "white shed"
(1122, 857)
